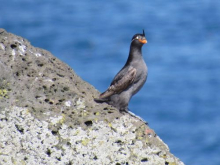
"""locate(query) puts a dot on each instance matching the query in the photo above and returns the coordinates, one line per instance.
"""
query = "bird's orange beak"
(143, 41)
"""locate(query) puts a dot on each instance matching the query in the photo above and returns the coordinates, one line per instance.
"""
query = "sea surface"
(181, 98)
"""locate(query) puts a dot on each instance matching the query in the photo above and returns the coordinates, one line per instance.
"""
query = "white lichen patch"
(80, 103)
(24, 139)
(22, 49)
(27, 140)
(38, 54)
(13, 52)
(102, 145)
(33, 52)
(2, 46)
(55, 120)
(48, 80)
(47, 113)
(68, 103)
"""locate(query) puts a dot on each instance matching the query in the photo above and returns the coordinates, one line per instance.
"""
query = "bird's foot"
(98, 100)
(132, 114)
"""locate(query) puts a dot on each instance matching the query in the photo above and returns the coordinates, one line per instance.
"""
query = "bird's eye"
(137, 37)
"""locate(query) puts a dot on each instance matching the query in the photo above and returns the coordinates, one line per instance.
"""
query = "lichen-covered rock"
(48, 116)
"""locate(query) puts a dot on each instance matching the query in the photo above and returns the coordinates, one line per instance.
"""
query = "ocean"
(181, 98)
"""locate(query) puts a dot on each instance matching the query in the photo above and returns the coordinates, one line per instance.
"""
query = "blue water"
(181, 98)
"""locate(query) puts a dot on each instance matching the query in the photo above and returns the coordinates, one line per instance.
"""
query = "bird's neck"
(134, 54)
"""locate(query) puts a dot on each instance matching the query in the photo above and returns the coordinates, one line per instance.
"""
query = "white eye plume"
(136, 38)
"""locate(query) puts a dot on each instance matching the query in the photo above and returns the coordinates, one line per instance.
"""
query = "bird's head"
(139, 38)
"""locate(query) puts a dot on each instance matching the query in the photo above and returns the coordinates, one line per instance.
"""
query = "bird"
(130, 79)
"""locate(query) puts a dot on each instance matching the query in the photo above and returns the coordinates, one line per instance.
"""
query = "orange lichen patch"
(149, 131)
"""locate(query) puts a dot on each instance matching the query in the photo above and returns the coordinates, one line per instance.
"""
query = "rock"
(48, 116)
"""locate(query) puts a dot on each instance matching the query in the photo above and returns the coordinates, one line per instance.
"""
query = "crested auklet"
(130, 79)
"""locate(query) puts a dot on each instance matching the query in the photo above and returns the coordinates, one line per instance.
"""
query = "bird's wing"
(121, 82)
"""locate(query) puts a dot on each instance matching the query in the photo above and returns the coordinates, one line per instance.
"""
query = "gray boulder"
(48, 116)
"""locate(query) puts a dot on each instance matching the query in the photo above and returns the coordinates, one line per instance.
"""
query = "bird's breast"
(141, 76)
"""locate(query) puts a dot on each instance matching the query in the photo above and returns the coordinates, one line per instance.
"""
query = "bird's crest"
(143, 33)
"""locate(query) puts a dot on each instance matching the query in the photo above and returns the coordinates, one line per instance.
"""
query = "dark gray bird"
(129, 79)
